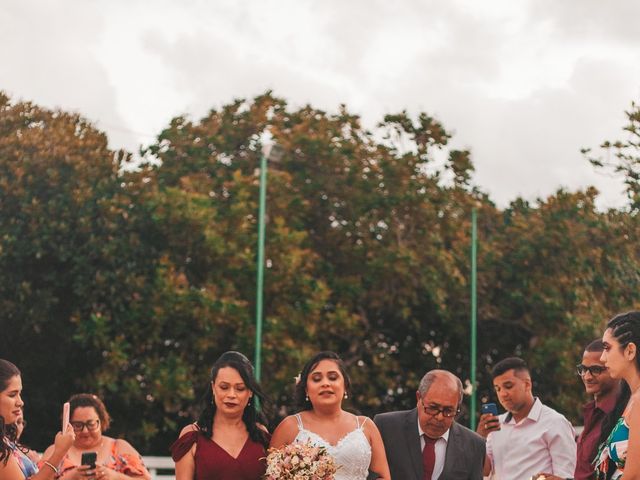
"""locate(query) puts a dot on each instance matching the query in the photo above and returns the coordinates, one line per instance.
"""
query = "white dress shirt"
(544, 441)
(440, 448)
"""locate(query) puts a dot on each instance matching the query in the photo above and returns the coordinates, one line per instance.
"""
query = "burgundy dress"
(214, 463)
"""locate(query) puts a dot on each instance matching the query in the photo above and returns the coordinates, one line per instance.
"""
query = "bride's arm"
(378, 463)
(284, 433)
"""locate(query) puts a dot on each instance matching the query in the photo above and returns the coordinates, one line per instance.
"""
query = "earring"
(306, 397)
(345, 395)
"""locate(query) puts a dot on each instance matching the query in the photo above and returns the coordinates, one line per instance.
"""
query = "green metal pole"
(260, 265)
(474, 320)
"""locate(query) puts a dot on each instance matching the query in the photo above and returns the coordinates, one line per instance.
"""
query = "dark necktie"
(428, 457)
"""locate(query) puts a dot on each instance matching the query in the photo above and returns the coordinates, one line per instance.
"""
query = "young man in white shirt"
(530, 437)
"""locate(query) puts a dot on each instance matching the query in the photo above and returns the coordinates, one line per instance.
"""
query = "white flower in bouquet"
(300, 461)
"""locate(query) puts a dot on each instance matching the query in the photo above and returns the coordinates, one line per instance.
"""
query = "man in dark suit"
(426, 443)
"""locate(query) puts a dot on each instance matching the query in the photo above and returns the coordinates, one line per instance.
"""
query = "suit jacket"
(464, 456)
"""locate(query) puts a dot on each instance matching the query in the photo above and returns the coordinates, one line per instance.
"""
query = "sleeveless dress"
(614, 451)
(212, 462)
(131, 465)
(27, 466)
(352, 453)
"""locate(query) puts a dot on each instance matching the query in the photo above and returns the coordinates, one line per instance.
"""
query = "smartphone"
(489, 408)
(89, 458)
(65, 416)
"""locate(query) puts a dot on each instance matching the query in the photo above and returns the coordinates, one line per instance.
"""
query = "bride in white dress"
(354, 442)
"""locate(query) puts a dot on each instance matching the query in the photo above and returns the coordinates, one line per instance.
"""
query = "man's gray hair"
(431, 377)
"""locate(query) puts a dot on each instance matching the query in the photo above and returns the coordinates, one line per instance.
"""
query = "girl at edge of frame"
(621, 356)
(14, 462)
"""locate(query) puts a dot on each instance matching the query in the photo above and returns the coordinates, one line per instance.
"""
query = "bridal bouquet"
(300, 461)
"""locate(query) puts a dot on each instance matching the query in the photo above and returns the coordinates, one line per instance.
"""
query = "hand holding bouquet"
(300, 461)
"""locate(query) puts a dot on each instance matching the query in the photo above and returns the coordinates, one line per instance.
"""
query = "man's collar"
(534, 412)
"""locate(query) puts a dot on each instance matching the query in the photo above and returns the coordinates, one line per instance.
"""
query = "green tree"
(70, 252)
(627, 157)
(131, 282)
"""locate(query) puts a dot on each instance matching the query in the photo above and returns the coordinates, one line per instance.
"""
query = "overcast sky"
(523, 84)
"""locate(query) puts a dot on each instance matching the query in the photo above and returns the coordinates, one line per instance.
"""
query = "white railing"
(154, 464)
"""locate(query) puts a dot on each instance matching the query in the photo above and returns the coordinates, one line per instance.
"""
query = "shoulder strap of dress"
(114, 447)
(363, 423)
(299, 421)
(183, 444)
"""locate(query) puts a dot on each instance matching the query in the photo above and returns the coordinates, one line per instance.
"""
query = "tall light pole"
(273, 153)
(474, 319)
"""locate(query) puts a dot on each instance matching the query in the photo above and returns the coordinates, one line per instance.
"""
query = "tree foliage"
(626, 153)
(130, 282)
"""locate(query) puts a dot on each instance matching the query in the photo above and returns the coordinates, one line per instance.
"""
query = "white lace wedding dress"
(352, 453)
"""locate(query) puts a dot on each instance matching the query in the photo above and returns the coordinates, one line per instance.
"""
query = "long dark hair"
(7, 432)
(302, 402)
(611, 418)
(251, 416)
(625, 327)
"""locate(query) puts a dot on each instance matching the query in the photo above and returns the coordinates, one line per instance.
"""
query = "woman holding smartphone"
(115, 458)
(14, 462)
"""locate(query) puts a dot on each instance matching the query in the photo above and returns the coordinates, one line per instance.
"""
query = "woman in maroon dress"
(229, 440)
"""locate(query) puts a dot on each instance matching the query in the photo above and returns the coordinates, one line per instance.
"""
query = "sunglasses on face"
(594, 370)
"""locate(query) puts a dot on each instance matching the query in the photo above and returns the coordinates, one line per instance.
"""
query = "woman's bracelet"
(52, 467)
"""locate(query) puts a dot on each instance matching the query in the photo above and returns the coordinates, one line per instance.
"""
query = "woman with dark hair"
(621, 356)
(14, 462)
(353, 441)
(229, 440)
(115, 457)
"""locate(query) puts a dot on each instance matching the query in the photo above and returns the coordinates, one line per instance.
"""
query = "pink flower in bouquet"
(300, 461)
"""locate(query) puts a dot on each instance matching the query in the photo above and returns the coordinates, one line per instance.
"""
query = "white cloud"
(525, 84)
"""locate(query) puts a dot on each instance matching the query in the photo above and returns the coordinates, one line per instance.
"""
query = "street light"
(270, 153)
(474, 313)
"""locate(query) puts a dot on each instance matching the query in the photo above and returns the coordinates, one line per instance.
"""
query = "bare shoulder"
(123, 446)
(262, 427)
(10, 470)
(289, 423)
(365, 422)
(633, 413)
(368, 427)
(192, 427)
(285, 432)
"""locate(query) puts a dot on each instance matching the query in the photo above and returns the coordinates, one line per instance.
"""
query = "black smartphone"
(489, 408)
(89, 458)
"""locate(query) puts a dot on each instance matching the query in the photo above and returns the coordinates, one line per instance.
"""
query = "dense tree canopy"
(130, 281)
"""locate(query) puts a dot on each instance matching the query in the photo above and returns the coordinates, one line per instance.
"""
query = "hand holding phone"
(65, 416)
(489, 421)
(489, 408)
(89, 458)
